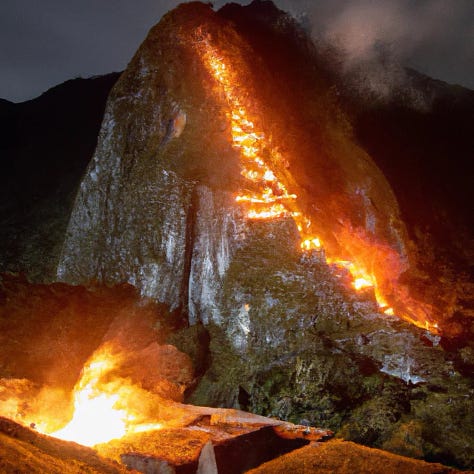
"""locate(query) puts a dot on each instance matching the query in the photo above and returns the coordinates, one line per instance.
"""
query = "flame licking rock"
(269, 191)
(97, 418)
(268, 197)
(103, 403)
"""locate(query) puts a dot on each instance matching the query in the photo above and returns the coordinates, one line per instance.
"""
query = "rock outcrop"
(346, 457)
(158, 206)
(44, 346)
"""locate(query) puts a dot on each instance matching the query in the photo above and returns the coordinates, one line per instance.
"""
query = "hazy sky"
(45, 42)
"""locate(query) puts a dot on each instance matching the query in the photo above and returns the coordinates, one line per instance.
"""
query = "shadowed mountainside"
(45, 146)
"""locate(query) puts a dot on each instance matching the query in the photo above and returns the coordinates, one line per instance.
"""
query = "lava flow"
(264, 169)
(270, 198)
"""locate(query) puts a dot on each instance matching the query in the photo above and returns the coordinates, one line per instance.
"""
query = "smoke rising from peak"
(363, 26)
(376, 37)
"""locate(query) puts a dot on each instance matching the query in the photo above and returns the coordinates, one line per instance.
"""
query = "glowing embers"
(272, 212)
(268, 197)
(311, 243)
(361, 279)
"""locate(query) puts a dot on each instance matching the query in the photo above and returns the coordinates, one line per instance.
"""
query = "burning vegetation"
(269, 191)
(127, 401)
(96, 369)
(105, 407)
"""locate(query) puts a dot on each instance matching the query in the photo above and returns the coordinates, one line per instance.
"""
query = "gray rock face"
(138, 222)
(145, 214)
(130, 215)
(218, 229)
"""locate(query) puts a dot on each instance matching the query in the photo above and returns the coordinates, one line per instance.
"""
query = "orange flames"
(103, 404)
(269, 197)
(94, 408)
(265, 196)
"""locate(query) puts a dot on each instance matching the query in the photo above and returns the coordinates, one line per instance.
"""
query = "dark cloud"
(47, 42)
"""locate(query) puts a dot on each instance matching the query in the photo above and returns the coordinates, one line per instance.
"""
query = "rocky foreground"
(227, 442)
(344, 457)
(44, 347)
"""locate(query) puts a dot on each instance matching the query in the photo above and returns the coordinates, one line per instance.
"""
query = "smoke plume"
(377, 38)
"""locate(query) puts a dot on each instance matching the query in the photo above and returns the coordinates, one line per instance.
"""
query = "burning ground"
(53, 379)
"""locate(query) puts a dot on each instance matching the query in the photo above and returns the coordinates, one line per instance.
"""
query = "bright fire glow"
(264, 194)
(95, 419)
(269, 197)
(101, 411)
(308, 244)
(360, 283)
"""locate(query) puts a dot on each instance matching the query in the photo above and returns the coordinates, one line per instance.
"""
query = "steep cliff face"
(197, 122)
(227, 185)
(149, 210)
(426, 154)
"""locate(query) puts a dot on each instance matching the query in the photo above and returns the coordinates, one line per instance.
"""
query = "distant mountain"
(426, 154)
(45, 146)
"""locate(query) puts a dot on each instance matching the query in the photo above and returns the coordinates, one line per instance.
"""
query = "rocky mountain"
(310, 244)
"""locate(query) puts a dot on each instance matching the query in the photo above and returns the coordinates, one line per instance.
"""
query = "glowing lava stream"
(270, 198)
(100, 412)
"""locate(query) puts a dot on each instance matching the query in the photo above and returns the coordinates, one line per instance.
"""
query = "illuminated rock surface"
(175, 203)
(143, 211)
(345, 458)
(25, 451)
(202, 127)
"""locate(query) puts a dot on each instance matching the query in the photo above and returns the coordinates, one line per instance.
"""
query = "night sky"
(44, 43)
